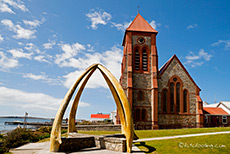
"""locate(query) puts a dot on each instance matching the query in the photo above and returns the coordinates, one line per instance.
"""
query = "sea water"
(5, 128)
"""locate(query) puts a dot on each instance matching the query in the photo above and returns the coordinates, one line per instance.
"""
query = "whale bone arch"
(122, 103)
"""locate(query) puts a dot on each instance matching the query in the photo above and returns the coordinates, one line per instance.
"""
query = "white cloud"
(192, 26)
(34, 23)
(98, 17)
(226, 44)
(7, 23)
(205, 55)
(34, 77)
(19, 53)
(120, 26)
(83, 104)
(1, 38)
(111, 59)
(6, 63)
(43, 77)
(90, 48)
(5, 8)
(70, 51)
(41, 58)
(49, 45)
(32, 102)
(197, 59)
(32, 48)
(36, 104)
(154, 24)
(21, 33)
(17, 5)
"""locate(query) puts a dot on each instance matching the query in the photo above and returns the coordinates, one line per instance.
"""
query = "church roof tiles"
(141, 25)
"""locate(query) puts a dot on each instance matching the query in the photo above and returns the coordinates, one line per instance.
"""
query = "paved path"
(180, 136)
(43, 148)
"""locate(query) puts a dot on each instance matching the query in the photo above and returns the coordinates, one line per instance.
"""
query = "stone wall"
(98, 127)
(147, 40)
(75, 144)
(76, 141)
(142, 81)
(177, 120)
(167, 121)
(175, 69)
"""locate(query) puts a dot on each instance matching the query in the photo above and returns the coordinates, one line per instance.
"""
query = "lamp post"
(26, 114)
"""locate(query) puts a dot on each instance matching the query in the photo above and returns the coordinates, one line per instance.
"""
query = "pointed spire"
(141, 25)
(138, 9)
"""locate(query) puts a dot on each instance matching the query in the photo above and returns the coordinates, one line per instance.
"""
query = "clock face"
(141, 40)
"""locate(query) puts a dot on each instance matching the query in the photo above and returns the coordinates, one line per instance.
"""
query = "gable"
(174, 67)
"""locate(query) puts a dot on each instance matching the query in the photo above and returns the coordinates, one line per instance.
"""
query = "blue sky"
(46, 45)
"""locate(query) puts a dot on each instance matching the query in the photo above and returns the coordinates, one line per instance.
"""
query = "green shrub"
(17, 137)
(45, 129)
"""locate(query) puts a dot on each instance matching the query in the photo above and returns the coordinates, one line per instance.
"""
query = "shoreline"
(20, 117)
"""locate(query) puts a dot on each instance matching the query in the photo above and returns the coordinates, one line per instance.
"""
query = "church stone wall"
(142, 81)
(175, 69)
(177, 120)
(147, 40)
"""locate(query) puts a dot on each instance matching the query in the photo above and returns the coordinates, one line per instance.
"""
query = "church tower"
(139, 72)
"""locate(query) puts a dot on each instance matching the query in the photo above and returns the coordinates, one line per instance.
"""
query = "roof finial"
(138, 7)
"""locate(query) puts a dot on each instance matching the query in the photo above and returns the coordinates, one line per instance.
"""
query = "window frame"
(187, 103)
(139, 97)
(140, 51)
(175, 79)
(164, 104)
(225, 119)
(206, 119)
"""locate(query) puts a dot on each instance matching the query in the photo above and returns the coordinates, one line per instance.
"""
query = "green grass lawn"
(210, 144)
(174, 132)
(160, 133)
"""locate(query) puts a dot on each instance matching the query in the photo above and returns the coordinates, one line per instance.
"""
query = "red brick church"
(160, 98)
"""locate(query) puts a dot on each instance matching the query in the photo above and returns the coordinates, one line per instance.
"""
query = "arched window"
(138, 114)
(164, 100)
(178, 97)
(143, 117)
(137, 60)
(144, 60)
(171, 97)
(140, 95)
(175, 93)
(185, 103)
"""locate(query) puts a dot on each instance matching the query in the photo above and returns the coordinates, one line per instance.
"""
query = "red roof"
(141, 25)
(100, 116)
(215, 110)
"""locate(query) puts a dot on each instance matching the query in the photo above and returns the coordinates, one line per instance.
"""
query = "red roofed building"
(100, 116)
(216, 117)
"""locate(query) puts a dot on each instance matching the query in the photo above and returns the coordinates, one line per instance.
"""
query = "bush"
(17, 137)
(45, 129)
(20, 136)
